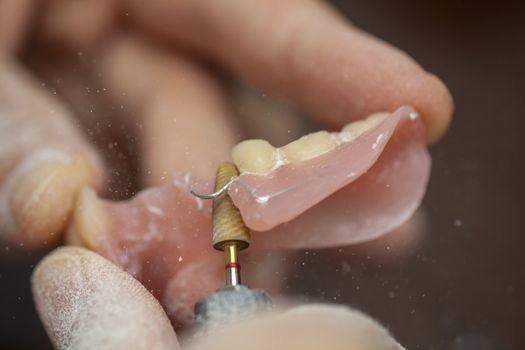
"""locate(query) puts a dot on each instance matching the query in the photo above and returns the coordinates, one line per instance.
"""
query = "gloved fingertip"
(86, 302)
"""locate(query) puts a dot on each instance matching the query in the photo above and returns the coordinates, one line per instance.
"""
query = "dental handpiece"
(230, 235)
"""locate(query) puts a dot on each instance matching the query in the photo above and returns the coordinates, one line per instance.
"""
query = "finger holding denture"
(44, 161)
(85, 302)
(317, 60)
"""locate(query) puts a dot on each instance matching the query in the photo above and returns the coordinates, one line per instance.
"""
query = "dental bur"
(230, 235)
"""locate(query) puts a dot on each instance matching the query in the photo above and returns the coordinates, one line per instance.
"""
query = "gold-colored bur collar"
(232, 265)
(228, 227)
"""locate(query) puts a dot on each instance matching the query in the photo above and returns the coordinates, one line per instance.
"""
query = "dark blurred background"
(462, 284)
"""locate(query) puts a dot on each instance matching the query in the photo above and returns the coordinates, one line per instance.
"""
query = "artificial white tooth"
(357, 128)
(309, 146)
(255, 156)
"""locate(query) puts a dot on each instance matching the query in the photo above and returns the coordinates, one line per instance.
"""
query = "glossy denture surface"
(380, 200)
(295, 186)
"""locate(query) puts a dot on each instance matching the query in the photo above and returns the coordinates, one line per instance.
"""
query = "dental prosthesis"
(325, 189)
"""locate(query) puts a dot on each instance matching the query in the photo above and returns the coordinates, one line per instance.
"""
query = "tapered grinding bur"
(228, 226)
